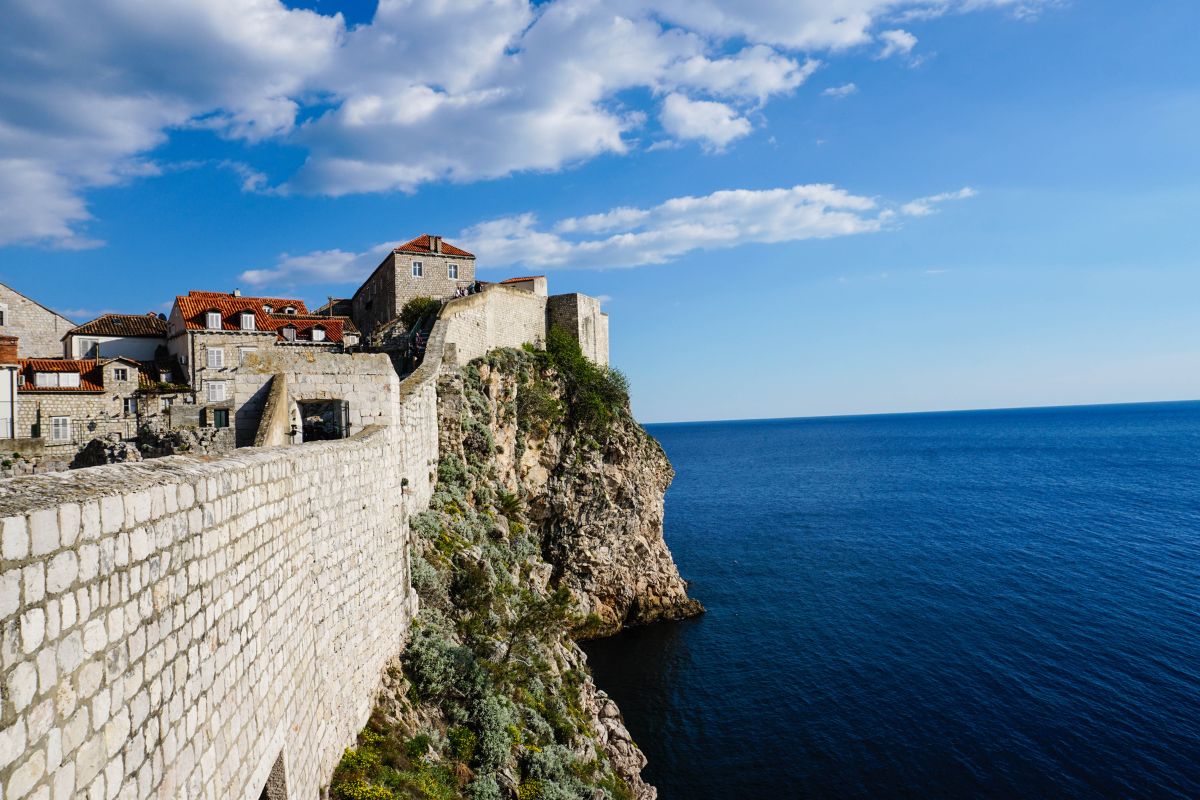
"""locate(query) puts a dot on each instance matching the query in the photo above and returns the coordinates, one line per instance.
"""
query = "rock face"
(597, 502)
(545, 527)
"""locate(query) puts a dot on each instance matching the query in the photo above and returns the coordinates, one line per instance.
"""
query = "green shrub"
(493, 716)
(417, 308)
(484, 788)
(462, 742)
(596, 395)
(418, 746)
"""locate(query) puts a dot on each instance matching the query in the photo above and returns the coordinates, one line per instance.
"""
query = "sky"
(789, 207)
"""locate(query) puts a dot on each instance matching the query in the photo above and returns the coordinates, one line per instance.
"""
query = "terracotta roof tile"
(421, 244)
(91, 375)
(335, 327)
(522, 279)
(148, 325)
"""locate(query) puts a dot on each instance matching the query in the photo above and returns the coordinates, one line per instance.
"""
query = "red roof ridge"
(522, 278)
(422, 244)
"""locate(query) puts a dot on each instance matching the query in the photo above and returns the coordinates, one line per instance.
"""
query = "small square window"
(212, 320)
(247, 321)
(216, 357)
(452, 272)
(120, 374)
(318, 334)
(216, 391)
(245, 352)
(60, 429)
(130, 406)
(289, 334)
(418, 269)
(220, 417)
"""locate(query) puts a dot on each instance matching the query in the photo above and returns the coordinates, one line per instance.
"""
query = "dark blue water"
(984, 604)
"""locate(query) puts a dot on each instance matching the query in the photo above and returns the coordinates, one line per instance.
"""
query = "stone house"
(136, 336)
(39, 330)
(67, 402)
(427, 266)
(211, 335)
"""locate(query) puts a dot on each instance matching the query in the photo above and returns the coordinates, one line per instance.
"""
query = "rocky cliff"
(546, 527)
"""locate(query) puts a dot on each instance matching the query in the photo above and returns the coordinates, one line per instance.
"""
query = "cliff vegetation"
(546, 527)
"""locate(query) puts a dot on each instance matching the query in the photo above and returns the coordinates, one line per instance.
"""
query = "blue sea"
(995, 604)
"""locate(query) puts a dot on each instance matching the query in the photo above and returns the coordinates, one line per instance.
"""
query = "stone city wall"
(179, 629)
(497, 317)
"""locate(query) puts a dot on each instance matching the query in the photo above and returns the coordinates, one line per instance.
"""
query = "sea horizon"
(931, 412)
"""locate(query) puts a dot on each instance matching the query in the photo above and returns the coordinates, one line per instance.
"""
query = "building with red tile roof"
(213, 336)
(427, 266)
(136, 336)
(66, 402)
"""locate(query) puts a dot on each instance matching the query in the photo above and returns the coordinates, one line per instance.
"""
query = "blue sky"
(792, 208)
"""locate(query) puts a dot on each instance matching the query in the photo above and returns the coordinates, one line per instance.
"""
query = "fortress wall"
(497, 317)
(180, 628)
(174, 628)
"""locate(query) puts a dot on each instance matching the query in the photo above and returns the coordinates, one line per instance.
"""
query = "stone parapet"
(179, 628)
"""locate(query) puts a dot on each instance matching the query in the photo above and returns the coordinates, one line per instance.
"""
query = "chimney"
(435, 244)
(237, 292)
(8, 350)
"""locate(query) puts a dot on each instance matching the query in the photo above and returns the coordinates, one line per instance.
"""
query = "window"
(68, 380)
(89, 348)
(220, 417)
(212, 320)
(130, 406)
(120, 374)
(452, 272)
(245, 352)
(289, 310)
(216, 357)
(267, 308)
(60, 429)
(318, 334)
(289, 333)
(216, 391)
(247, 321)
(3, 314)
(418, 270)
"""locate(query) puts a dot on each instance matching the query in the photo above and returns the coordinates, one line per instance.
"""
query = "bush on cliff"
(596, 395)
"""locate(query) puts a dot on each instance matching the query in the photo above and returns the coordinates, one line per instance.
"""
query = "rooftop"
(426, 244)
(147, 325)
(267, 317)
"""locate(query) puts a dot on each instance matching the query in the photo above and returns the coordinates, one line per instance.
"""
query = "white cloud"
(715, 124)
(429, 90)
(924, 206)
(896, 43)
(838, 92)
(320, 266)
(627, 236)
